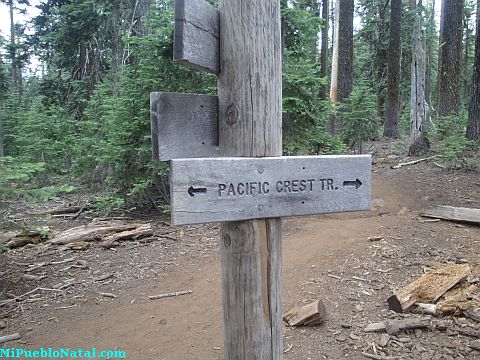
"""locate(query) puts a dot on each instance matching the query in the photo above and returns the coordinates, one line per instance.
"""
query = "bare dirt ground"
(322, 255)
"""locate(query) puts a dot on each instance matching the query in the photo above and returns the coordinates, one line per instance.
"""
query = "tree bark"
(13, 47)
(392, 111)
(141, 9)
(250, 113)
(334, 74)
(418, 120)
(428, 75)
(345, 49)
(381, 57)
(473, 125)
(315, 10)
(324, 49)
(450, 54)
(2, 143)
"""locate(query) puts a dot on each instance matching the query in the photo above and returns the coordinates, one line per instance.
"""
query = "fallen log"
(64, 210)
(453, 214)
(309, 315)
(393, 327)
(140, 232)
(98, 232)
(28, 237)
(429, 287)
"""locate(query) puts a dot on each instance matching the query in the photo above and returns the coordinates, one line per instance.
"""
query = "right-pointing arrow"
(357, 183)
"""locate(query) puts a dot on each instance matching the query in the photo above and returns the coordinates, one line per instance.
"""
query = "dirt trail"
(326, 257)
(190, 327)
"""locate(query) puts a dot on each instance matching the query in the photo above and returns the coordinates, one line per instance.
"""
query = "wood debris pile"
(446, 290)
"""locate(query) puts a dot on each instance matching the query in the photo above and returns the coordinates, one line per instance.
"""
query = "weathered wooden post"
(250, 123)
(226, 163)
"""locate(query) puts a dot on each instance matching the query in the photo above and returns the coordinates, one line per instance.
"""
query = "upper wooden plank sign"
(230, 189)
(196, 38)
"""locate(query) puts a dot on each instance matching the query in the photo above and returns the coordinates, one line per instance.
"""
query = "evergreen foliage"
(84, 121)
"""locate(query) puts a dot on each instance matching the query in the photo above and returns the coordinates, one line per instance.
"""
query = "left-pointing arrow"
(192, 191)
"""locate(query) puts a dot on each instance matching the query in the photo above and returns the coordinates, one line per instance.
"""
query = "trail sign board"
(196, 35)
(183, 125)
(230, 189)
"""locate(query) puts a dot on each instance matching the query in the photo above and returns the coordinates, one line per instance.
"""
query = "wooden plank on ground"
(429, 287)
(196, 35)
(395, 326)
(183, 125)
(454, 214)
(230, 189)
(312, 314)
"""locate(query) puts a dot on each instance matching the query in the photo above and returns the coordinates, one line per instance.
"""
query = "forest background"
(79, 123)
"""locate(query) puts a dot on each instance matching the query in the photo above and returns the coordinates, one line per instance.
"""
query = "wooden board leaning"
(231, 189)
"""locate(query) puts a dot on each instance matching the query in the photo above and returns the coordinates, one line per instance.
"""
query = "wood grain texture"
(311, 314)
(429, 287)
(248, 188)
(250, 84)
(183, 125)
(250, 123)
(251, 284)
(454, 214)
(196, 35)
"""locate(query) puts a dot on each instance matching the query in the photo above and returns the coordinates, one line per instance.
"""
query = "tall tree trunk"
(2, 143)
(473, 125)
(345, 49)
(450, 54)
(428, 75)
(334, 73)
(393, 91)
(324, 49)
(13, 47)
(419, 113)
(315, 10)
(381, 57)
(468, 31)
(142, 7)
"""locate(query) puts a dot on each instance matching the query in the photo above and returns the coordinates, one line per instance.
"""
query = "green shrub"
(19, 180)
(358, 120)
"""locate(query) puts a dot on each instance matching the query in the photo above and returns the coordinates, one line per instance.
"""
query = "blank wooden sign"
(183, 125)
(230, 189)
(196, 35)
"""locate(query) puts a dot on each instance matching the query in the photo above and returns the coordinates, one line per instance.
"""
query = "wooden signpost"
(239, 177)
(231, 189)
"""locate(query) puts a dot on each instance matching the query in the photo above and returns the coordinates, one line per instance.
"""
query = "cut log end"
(309, 315)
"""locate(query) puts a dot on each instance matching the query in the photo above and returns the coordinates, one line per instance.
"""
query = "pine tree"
(392, 112)
(16, 68)
(450, 55)
(345, 49)
(473, 125)
(324, 48)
